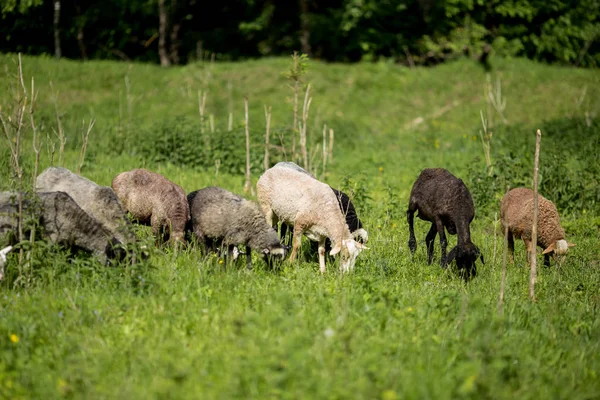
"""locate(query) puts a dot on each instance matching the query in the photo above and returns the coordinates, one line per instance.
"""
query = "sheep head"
(349, 249)
(559, 250)
(466, 256)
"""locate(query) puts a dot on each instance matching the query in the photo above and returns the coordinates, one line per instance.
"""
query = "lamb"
(516, 214)
(297, 199)
(219, 215)
(152, 198)
(352, 220)
(63, 222)
(100, 202)
(444, 200)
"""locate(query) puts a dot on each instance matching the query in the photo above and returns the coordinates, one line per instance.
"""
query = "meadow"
(181, 325)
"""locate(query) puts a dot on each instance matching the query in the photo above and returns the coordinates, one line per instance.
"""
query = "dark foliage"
(409, 31)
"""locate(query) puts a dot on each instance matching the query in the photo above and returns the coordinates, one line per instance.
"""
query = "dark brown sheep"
(444, 200)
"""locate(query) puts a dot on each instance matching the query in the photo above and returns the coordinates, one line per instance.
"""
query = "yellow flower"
(220, 261)
(14, 338)
(380, 169)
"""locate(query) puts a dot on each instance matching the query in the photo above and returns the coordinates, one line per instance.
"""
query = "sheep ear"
(336, 249)
(571, 244)
(361, 246)
(481, 256)
(550, 248)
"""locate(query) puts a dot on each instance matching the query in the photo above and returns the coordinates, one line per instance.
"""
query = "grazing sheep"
(62, 221)
(352, 220)
(444, 200)
(516, 213)
(219, 215)
(3, 254)
(100, 202)
(152, 198)
(311, 207)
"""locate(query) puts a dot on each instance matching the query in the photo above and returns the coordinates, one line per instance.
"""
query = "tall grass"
(182, 326)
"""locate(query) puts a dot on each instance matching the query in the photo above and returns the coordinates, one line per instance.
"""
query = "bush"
(569, 173)
(181, 142)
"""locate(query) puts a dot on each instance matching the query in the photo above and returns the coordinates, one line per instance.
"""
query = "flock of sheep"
(76, 212)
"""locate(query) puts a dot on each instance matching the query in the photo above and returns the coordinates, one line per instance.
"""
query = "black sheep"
(444, 200)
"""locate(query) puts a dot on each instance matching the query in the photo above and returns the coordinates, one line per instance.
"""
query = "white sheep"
(312, 208)
(516, 213)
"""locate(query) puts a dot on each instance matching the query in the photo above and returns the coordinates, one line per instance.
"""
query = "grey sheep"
(221, 216)
(444, 200)
(152, 198)
(311, 207)
(516, 214)
(100, 202)
(62, 221)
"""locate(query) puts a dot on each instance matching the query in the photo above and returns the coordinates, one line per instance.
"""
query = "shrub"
(569, 172)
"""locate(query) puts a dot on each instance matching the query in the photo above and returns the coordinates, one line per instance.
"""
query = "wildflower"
(220, 261)
(329, 333)
(14, 338)
(380, 169)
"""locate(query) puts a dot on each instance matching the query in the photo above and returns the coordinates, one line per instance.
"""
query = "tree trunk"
(80, 24)
(175, 29)
(304, 28)
(57, 50)
(174, 48)
(162, 34)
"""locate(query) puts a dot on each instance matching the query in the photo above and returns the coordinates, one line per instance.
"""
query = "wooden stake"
(503, 281)
(324, 149)
(305, 108)
(330, 145)
(268, 118)
(248, 184)
(533, 260)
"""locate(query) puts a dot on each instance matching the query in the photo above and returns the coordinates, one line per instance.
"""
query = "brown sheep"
(516, 213)
(152, 198)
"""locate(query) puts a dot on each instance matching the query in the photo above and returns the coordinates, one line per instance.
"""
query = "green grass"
(182, 326)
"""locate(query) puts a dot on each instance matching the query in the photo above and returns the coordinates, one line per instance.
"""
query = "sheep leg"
(412, 242)
(443, 241)
(528, 246)
(248, 258)
(322, 254)
(547, 260)
(296, 241)
(430, 242)
(511, 247)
